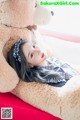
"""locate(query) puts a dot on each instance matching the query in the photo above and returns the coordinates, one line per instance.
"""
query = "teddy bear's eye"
(35, 5)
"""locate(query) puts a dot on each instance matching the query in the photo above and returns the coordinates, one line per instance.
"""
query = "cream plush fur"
(16, 18)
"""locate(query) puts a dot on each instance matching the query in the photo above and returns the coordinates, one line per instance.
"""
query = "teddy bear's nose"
(52, 13)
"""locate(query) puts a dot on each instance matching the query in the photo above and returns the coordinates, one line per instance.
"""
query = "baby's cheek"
(38, 60)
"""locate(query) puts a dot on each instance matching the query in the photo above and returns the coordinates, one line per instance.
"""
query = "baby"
(32, 64)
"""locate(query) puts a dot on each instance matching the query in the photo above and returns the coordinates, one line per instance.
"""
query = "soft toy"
(18, 19)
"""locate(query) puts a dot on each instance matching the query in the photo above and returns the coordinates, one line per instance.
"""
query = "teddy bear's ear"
(8, 77)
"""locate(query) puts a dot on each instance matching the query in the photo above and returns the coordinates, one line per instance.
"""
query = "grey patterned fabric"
(57, 71)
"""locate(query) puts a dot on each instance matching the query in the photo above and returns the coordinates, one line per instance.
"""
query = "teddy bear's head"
(22, 13)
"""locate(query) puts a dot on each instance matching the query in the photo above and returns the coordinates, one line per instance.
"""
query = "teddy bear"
(19, 20)
(15, 25)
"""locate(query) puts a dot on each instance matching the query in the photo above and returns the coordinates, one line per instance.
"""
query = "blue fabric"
(66, 68)
(56, 73)
(59, 84)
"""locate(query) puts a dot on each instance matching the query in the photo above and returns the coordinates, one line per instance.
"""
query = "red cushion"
(22, 110)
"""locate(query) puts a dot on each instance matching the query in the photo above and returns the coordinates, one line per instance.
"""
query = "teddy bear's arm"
(70, 97)
(8, 77)
(39, 95)
(62, 102)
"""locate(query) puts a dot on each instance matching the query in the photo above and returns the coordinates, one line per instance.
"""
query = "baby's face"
(34, 55)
